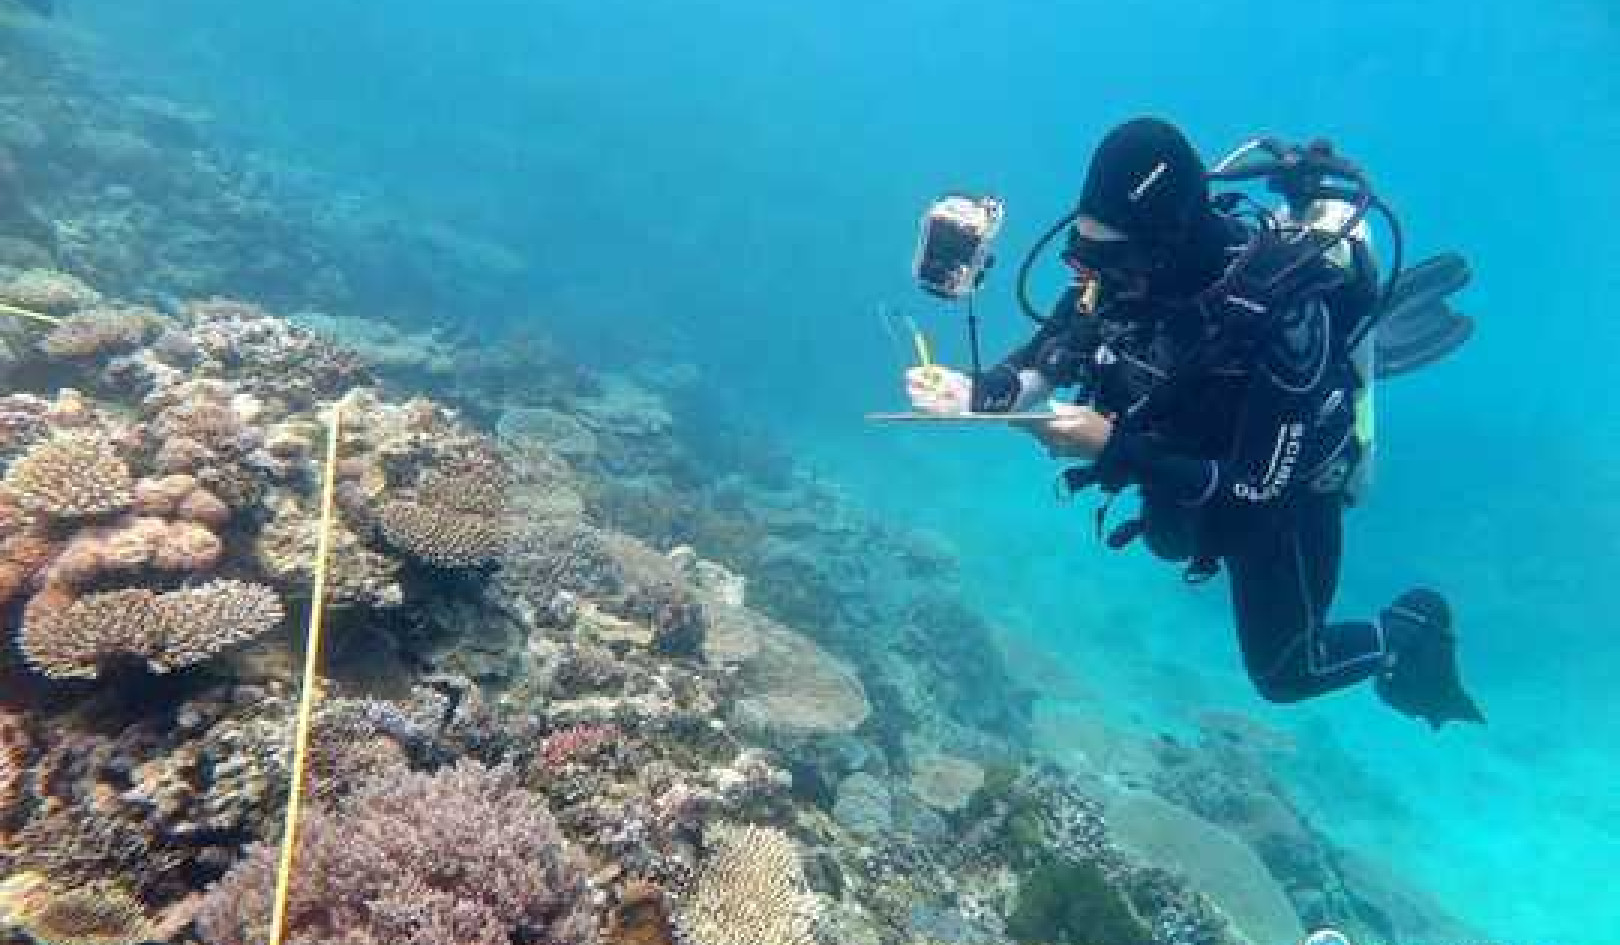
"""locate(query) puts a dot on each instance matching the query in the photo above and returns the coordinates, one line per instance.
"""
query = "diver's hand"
(935, 389)
(1076, 433)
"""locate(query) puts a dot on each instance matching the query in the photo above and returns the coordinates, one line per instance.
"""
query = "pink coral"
(464, 856)
(577, 741)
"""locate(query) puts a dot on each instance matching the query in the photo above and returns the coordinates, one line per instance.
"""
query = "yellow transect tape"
(26, 313)
(308, 695)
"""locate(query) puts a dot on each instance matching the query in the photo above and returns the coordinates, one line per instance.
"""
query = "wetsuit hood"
(1146, 181)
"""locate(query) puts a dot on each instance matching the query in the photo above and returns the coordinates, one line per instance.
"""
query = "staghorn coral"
(72, 638)
(241, 341)
(100, 913)
(71, 476)
(99, 331)
(231, 782)
(749, 890)
(83, 844)
(464, 855)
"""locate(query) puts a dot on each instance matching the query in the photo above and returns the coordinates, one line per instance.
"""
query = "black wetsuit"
(1243, 462)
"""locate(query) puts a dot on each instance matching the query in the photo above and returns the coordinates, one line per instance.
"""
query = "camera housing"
(953, 245)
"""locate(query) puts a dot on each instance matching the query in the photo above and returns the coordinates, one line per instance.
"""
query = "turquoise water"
(735, 184)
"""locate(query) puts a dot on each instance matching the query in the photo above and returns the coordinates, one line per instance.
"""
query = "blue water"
(735, 183)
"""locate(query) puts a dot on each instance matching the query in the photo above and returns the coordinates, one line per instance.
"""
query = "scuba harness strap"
(1274, 269)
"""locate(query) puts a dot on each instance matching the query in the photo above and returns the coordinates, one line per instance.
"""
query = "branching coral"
(750, 890)
(72, 638)
(71, 475)
(461, 856)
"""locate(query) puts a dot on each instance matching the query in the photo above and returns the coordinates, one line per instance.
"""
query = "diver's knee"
(1279, 689)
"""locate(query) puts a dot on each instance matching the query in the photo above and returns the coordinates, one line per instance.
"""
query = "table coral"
(73, 638)
(792, 687)
(96, 332)
(443, 537)
(72, 476)
(48, 292)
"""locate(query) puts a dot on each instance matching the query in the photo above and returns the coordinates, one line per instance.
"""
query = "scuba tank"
(1353, 253)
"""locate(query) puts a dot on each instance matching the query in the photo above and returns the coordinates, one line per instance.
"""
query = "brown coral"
(14, 749)
(442, 537)
(21, 557)
(72, 639)
(74, 475)
(48, 291)
(100, 552)
(99, 331)
(641, 916)
(98, 914)
(285, 552)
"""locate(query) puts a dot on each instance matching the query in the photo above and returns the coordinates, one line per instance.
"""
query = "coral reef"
(623, 634)
(417, 859)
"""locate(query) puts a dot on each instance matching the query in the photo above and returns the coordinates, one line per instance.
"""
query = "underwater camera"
(953, 246)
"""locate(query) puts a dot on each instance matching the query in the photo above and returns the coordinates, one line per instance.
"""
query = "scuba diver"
(1220, 360)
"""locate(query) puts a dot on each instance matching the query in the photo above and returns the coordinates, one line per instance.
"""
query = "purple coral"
(464, 856)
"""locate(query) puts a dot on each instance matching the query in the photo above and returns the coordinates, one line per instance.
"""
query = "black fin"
(1420, 338)
(1418, 327)
(1425, 682)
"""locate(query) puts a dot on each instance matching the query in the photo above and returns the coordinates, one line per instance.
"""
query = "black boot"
(1422, 680)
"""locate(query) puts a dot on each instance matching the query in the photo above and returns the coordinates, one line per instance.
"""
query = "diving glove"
(935, 389)
(1422, 680)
